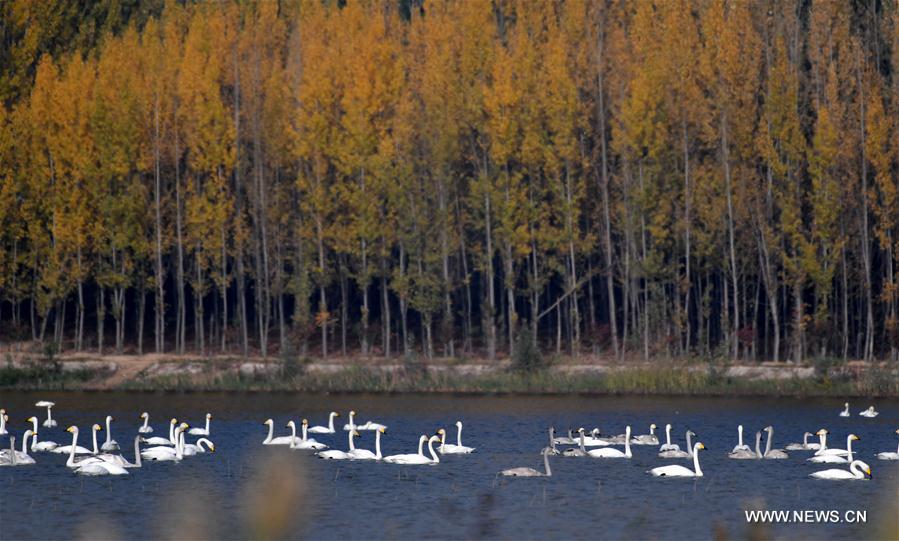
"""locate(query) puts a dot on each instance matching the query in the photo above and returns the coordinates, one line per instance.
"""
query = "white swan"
(773, 453)
(552, 442)
(305, 443)
(49, 422)
(530, 472)
(745, 454)
(191, 449)
(857, 470)
(159, 440)
(164, 453)
(18, 458)
(351, 425)
(869, 413)
(3, 419)
(413, 460)
(608, 452)
(43, 445)
(95, 465)
(334, 454)
(647, 439)
(677, 453)
(145, 428)
(325, 429)
(369, 425)
(835, 458)
(409, 457)
(73, 462)
(845, 412)
(889, 456)
(668, 446)
(824, 450)
(365, 454)
(201, 431)
(110, 444)
(676, 470)
(740, 445)
(281, 440)
(804, 446)
(449, 448)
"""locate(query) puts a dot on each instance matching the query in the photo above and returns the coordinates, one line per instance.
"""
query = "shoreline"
(446, 376)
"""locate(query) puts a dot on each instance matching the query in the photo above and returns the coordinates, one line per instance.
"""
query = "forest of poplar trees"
(652, 179)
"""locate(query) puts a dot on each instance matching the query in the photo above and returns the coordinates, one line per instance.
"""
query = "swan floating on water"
(145, 428)
(325, 429)
(305, 443)
(746, 454)
(740, 445)
(677, 453)
(110, 444)
(335, 454)
(676, 470)
(410, 458)
(889, 456)
(668, 446)
(833, 458)
(164, 453)
(280, 440)
(39, 446)
(845, 412)
(201, 431)
(608, 452)
(158, 440)
(191, 449)
(49, 422)
(11, 457)
(451, 449)
(824, 450)
(870, 413)
(530, 472)
(365, 454)
(857, 470)
(805, 445)
(773, 453)
(647, 439)
(593, 440)
(566, 440)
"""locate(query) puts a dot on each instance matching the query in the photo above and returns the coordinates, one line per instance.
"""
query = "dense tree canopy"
(424, 177)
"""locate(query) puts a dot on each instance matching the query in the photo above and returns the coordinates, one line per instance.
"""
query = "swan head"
(595, 432)
(807, 434)
(853, 437)
(109, 418)
(144, 415)
(305, 422)
(184, 426)
(846, 405)
(335, 413)
(31, 419)
(382, 430)
(291, 424)
(740, 427)
(208, 416)
(822, 432)
(441, 432)
(581, 430)
(699, 446)
(434, 439)
(352, 412)
(897, 431)
(459, 424)
(72, 429)
(653, 426)
(174, 421)
(691, 433)
(2, 411)
(668, 426)
(266, 422)
(769, 428)
(96, 427)
(356, 434)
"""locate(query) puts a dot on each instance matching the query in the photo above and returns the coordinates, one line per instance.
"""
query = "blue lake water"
(248, 490)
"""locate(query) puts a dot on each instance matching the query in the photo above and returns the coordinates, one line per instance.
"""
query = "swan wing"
(672, 471)
(521, 472)
(888, 456)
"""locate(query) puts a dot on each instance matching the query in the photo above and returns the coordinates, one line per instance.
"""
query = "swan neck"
(769, 442)
(71, 461)
(137, 462)
(293, 434)
(96, 450)
(331, 422)
(172, 433)
(271, 431)
(696, 467)
(378, 444)
(352, 447)
(108, 431)
(305, 432)
(207, 425)
(459, 435)
(549, 472)
(805, 440)
(689, 443)
(421, 445)
(758, 443)
(146, 422)
(583, 447)
(740, 432)
(434, 458)
(627, 442)
(668, 435)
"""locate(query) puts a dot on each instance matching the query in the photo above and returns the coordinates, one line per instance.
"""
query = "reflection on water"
(247, 491)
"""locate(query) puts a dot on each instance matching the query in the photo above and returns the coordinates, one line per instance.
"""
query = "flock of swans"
(304, 442)
(102, 459)
(857, 469)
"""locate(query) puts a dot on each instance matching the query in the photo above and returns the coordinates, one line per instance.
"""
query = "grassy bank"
(45, 376)
(640, 381)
